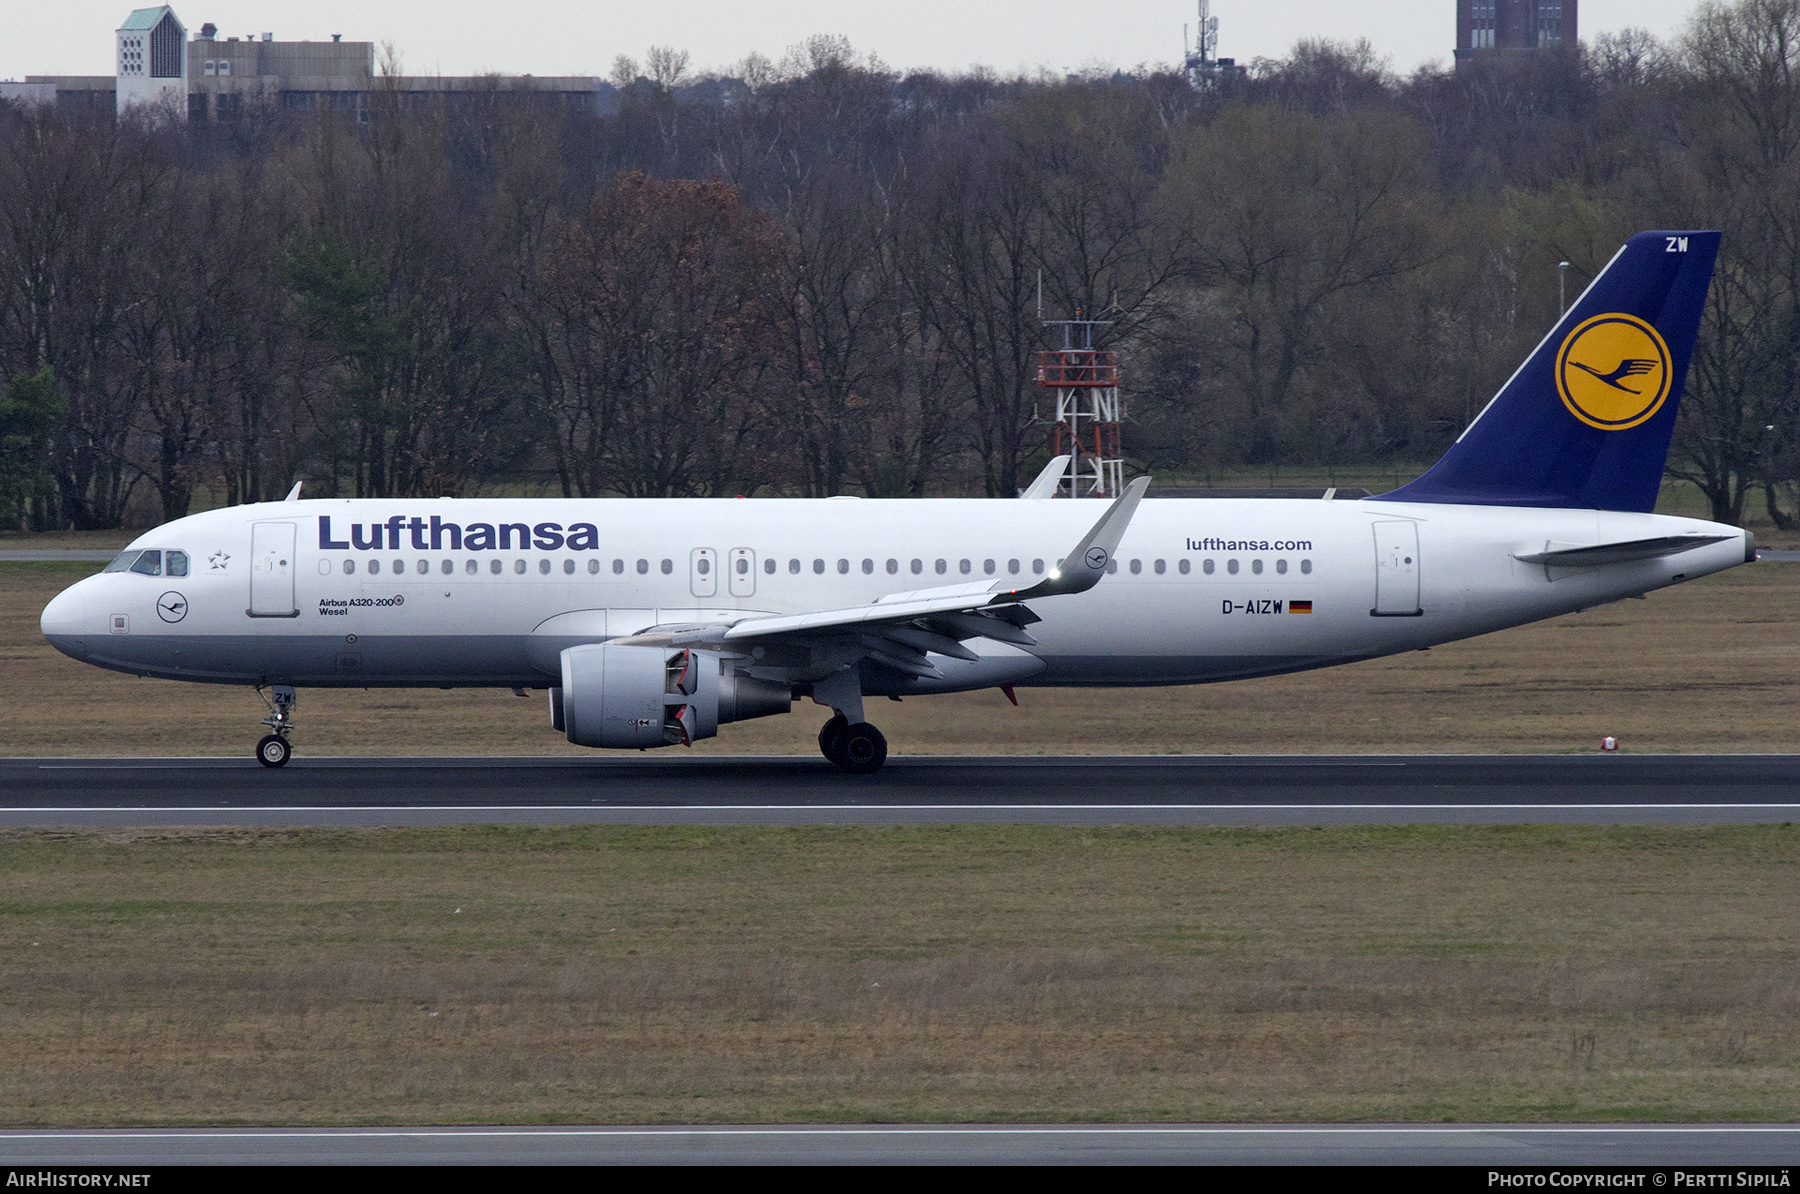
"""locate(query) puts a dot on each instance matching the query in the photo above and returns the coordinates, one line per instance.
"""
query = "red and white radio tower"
(1088, 413)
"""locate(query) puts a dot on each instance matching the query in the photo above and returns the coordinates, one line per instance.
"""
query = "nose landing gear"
(273, 749)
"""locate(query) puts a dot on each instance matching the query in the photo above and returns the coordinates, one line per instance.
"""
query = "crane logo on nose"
(1613, 372)
(171, 607)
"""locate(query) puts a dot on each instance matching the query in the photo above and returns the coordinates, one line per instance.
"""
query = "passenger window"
(668, 567)
(175, 563)
(518, 567)
(843, 567)
(893, 566)
(1161, 567)
(494, 567)
(1137, 567)
(1281, 567)
(1012, 567)
(963, 567)
(449, 568)
(987, 566)
(568, 567)
(868, 567)
(743, 567)
(148, 564)
(818, 567)
(471, 567)
(1207, 567)
(769, 566)
(703, 565)
(1112, 567)
(399, 567)
(423, 568)
(1037, 567)
(618, 567)
(793, 567)
(942, 567)
(1256, 567)
(543, 567)
(121, 562)
(593, 567)
(1184, 567)
(643, 567)
(349, 567)
(375, 567)
(918, 566)
(1306, 567)
(1231, 566)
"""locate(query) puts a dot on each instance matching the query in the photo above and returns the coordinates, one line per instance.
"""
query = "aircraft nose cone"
(64, 621)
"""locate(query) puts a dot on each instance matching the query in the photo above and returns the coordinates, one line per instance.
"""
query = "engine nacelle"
(655, 696)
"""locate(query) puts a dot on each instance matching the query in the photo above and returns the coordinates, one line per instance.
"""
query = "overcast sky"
(580, 37)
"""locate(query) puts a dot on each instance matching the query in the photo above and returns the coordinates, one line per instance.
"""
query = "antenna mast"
(1200, 61)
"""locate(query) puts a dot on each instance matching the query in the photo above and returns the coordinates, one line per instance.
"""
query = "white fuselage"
(1204, 589)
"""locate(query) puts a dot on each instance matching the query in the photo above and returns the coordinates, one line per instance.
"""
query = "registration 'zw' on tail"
(1585, 423)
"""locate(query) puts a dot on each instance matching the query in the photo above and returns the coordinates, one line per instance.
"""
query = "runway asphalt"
(1091, 790)
(1732, 1148)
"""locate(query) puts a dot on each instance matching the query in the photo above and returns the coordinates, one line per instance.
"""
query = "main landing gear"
(859, 749)
(273, 750)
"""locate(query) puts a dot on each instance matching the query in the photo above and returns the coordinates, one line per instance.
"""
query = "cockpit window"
(149, 564)
(122, 561)
(175, 563)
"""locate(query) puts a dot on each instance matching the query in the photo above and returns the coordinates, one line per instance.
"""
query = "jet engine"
(633, 696)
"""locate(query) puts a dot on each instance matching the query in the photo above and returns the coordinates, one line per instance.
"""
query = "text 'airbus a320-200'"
(654, 622)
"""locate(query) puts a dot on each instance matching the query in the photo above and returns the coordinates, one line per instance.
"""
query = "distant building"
(211, 79)
(150, 62)
(1515, 25)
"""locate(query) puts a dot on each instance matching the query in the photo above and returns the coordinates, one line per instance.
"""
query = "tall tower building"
(1514, 25)
(151, 63)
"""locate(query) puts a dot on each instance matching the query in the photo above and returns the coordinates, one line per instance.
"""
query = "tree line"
(821, 276)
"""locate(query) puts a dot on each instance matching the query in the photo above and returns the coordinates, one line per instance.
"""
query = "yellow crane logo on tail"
(1613, 371)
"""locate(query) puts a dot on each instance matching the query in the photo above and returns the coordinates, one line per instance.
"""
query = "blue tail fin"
(1586, 421)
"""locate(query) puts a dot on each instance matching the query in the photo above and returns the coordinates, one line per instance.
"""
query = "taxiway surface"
(1279, 790)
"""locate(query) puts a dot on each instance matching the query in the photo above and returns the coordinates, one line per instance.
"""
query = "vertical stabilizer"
(1585, 423)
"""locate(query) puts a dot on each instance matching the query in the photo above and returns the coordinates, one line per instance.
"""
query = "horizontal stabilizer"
(1618, 553)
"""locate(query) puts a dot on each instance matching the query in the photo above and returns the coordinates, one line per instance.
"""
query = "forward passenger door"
(272, 570)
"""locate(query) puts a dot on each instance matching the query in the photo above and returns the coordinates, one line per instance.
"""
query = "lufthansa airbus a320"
(653, 622)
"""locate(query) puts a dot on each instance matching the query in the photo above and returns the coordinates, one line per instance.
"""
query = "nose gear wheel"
(273, 749)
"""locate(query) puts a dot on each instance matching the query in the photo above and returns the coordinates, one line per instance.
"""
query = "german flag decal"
(1299, 607)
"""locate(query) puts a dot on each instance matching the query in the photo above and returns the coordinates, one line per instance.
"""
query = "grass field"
(1713, 665)
(610, 974)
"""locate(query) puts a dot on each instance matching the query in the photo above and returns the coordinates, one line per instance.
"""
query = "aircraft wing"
(900, 628)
